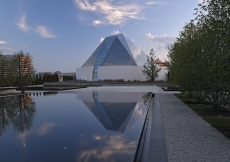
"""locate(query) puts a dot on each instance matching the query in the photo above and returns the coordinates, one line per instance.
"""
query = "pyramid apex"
(116, 50)
(116, 35)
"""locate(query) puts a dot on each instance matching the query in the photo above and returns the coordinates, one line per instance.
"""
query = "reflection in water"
(116, 115)
(49, 93)
(65, 129)
(113, 147)
(45, 127)
(36, 94)
(23, 136)
(147, 97)
(16, 112)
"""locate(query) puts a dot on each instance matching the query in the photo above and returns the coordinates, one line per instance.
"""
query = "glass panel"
(139, 56)
(118, 55)
(116, 50)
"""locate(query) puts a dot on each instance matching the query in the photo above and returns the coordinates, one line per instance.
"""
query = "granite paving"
(188, 137)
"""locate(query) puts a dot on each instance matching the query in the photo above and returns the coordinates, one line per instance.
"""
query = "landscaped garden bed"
(220, 120)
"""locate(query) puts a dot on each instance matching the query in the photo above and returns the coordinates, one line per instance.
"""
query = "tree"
(150, 67)
(199, 59)
(26, 71)
(17, 111)
(7, 71)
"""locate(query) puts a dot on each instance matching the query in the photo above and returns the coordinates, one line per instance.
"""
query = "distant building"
(57, 72)
(160, 62)
(117, 57)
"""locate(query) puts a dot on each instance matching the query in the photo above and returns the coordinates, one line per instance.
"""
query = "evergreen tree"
(37, 81)
(40, 79)
(150, 67)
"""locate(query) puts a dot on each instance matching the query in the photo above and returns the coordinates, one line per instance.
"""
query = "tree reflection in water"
(49, 93)
(16, 112)
(147, 97)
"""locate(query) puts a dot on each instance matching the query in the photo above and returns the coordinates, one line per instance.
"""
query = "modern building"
(117, 57)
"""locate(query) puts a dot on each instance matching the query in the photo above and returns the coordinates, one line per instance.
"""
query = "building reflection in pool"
(16, 112)
(97, 126)
(115, 111)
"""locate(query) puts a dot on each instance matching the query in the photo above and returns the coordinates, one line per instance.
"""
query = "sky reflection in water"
(98, 126)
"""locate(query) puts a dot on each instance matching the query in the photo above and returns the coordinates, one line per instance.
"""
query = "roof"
(116, 50)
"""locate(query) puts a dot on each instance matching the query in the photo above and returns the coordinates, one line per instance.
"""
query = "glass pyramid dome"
(116, 50)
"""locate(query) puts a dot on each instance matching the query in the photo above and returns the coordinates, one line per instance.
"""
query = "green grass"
(182, 95)
(189, 100)
(200, 107)
(217, 121)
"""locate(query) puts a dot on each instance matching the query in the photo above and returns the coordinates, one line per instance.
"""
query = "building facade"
(117, 57)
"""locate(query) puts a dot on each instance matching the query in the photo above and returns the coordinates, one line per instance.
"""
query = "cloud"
(23, 136)
(112, 146)
(115, 32)
(109, 13)
(22, 23)
(97, 22)
(153, 2)
(45, 128)
(2, 42)
(85, 5)
(167, 40)
(4, 49)
(43, 31)
(101, 40)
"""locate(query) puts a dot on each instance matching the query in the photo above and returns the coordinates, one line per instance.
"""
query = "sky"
(61, 35)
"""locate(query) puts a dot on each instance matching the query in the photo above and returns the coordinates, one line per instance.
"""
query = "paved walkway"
(188, 137)
(157, 149)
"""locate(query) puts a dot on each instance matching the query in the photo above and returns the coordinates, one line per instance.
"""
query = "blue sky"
(61, 35)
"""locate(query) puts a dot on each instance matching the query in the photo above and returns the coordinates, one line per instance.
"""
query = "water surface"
(90, 126)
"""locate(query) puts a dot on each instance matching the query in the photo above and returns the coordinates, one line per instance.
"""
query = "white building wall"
(162, 75)
(117, 72)
(85, 73)
(127, 73)
(121, 72)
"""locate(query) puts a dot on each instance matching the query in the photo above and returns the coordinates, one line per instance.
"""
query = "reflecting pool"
(83, 126)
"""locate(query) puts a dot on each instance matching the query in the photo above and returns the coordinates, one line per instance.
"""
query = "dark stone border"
(170, 88)
(143, 144)
(157, 149)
